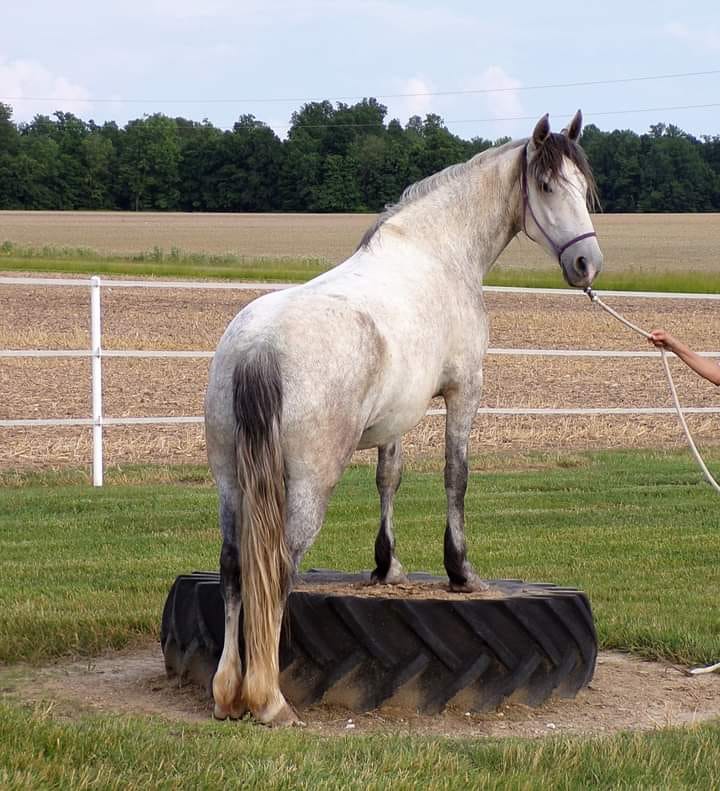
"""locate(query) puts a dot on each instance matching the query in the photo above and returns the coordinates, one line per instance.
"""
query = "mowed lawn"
(83, 570)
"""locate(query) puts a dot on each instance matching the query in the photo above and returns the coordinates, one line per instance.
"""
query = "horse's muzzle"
(582, 263)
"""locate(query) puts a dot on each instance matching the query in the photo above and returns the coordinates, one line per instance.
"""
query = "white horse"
(351, 359)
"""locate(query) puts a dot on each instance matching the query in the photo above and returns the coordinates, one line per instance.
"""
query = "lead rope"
(708, 476)
(698, 458)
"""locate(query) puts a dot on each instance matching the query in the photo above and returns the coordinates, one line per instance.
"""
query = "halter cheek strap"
(527, 207)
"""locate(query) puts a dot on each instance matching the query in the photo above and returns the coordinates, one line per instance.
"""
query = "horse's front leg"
(389, 474)
(461, 405)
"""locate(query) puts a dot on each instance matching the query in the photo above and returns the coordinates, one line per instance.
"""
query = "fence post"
(96, 351)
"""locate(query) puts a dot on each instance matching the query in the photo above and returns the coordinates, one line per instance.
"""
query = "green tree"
(200, 159)
(149, 163)
(9, 148)
(377, 172)
(675, 178)
(336, 158)
(247, 178)
(70, 133)
(301, 170)
(338, 190)
(99, 159)
(616, 162)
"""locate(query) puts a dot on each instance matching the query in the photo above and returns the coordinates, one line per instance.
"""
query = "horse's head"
(557, 188)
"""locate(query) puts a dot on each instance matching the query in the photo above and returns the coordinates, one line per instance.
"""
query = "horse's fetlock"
(226, 687)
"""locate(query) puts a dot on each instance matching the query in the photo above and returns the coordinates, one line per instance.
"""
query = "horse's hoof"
(234, 712)
(395, 575)
(219, 713)
(473, 584)
(390, 579)
(284, 717)
(288, 718)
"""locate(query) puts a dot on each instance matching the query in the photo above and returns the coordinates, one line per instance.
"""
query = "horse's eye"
(546, 187)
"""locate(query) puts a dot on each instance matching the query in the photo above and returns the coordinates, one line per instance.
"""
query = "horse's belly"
(392, 425)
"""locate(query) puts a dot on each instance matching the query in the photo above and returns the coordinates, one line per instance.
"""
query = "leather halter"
(559, 250)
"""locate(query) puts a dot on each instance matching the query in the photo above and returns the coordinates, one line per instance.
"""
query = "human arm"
(704, 366)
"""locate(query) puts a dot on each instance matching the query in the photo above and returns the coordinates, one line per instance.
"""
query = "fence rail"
(96, 353)
(146, 353)
(253, 285)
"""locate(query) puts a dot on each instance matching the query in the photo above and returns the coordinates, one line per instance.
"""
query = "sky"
(499, 68)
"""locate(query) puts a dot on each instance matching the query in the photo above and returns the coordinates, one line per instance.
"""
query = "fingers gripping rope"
(698, 458)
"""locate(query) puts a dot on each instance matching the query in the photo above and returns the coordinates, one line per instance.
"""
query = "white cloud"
(24, 83)
(420, 101)
(503, 104)
(416, 102)
(698, 39)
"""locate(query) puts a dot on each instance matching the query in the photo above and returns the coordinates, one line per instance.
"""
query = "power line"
(568, 114)
(296, 100)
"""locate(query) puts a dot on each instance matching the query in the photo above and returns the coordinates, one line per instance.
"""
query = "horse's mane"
(547, 163)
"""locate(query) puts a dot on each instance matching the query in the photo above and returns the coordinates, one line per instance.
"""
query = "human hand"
(662, 340)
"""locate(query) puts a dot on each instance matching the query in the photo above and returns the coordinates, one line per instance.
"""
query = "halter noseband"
(528, 208)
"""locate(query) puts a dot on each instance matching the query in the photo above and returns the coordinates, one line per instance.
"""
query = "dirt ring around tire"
(415, 647)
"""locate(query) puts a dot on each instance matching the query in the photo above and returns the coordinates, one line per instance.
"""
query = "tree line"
(335, 158)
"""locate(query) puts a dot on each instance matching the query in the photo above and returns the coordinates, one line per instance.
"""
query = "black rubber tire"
(420, 654)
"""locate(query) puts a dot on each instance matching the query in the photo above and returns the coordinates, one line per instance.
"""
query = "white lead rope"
(698, 458)
(708, 476)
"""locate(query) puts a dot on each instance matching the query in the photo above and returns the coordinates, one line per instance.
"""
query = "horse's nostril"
(581, 265)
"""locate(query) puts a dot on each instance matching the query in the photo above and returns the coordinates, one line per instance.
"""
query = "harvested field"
(652, 242)
(330, 236)
(158, 319)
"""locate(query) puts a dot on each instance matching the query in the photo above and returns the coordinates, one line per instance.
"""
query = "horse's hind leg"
(461, 409)
(227, 682)
(389, 474)
(305, 506)
(306, 503)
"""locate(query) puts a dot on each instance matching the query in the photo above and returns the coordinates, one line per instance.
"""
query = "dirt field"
(625, 694)
(659, 242)
(182, 320)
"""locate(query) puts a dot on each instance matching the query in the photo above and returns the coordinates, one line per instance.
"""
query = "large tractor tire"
(358, 647)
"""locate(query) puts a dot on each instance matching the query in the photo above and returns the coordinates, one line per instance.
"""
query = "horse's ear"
(575, 127)
(541, 131)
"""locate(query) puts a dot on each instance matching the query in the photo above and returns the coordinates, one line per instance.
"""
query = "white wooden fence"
(97, 353)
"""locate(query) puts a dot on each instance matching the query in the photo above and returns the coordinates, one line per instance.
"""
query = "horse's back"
(362, 350)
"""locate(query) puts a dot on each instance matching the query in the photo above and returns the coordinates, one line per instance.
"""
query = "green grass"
(179, 264)
(627, 280)
(83, 570)
(158, 263)
(38, 750)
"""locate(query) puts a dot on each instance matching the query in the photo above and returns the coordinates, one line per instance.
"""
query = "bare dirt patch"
(626, 693)
(436, 591)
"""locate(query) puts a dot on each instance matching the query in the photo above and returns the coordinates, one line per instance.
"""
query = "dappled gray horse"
(351, 359)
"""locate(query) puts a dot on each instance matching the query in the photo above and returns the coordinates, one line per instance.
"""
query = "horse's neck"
(467, 222)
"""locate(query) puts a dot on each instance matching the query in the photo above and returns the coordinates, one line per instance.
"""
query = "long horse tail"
(265, 562)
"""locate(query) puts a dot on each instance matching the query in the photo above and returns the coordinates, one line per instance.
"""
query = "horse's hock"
(416, 646)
